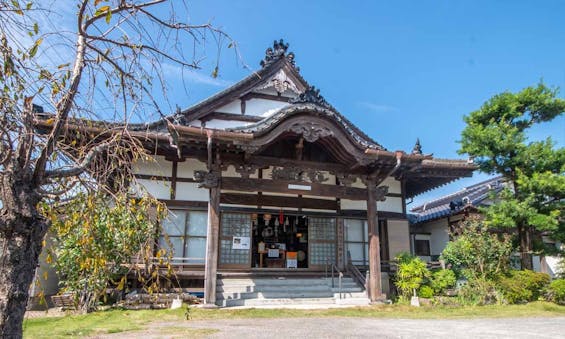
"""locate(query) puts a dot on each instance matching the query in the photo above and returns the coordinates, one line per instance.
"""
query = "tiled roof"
(295, 109)
(471, 196)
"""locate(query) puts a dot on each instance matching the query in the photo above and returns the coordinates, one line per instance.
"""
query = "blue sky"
(401, 70)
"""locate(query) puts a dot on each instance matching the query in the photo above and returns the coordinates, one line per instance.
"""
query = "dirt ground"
(355, 328)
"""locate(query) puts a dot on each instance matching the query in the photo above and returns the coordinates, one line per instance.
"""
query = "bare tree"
(113, 58)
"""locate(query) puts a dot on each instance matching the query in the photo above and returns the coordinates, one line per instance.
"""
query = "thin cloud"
(193, 76)
(376, 107)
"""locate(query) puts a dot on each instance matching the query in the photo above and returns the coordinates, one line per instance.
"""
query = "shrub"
(443, 280)
(523, 286)
(478, 253)
(412, 273)
(556, 291)
(479, 291)
(425, 292)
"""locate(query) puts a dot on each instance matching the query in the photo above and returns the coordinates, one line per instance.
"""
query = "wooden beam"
(281, 186)
(185, 203)
(374, 285)
(278, 201)
(233, 117)
(174, 180)
(272, 161)
(254, 95)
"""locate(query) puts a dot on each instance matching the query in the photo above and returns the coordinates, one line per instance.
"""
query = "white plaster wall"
(46, 280)
(233, 107)
(439, 235)
(347, 204)
(398, 237)
(259, 107)
(158, 167)
(157, 188)
(186, 168)
(190, 191)
(553, 265)
(391, 204)
(223, 124)
(394, 186)
(536, 260)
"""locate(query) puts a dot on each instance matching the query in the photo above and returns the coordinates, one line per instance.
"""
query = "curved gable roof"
(267, 124)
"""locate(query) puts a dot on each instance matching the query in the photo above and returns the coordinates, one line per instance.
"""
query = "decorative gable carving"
(280, 82)
(310, 131)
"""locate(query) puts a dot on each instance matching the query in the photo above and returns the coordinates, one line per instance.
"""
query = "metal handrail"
(334, 268)
(354, 271)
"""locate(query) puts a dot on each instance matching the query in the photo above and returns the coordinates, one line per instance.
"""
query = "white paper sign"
(241, 243)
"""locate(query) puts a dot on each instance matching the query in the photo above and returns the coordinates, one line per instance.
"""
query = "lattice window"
(238, 225)
(322, 233)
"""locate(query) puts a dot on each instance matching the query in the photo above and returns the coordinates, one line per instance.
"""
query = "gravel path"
(360, 328)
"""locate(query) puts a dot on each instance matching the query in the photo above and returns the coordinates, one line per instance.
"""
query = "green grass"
(115, 321)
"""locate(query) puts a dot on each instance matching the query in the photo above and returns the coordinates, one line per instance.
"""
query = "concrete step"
(285, 288)
(347, 289)
(278, 301)
(275, 295)
(347, 295)
(270, 282)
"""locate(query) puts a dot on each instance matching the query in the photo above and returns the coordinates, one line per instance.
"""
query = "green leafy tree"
(478, 253)
(96, 245)
(496, 136)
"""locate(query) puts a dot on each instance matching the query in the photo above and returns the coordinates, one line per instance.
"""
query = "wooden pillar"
(212, 241)
(374, 285)
(340, 244)
(211, 179)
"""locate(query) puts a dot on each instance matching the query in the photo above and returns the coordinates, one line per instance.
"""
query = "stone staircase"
(275, 291)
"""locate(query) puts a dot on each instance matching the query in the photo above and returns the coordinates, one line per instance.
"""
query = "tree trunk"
(525, 238)
(22, 229)
(20, 253)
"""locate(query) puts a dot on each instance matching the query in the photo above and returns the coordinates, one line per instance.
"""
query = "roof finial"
(417, 150)
(276, 52)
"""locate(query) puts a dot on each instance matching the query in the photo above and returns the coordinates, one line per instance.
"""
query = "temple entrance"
(279, 241)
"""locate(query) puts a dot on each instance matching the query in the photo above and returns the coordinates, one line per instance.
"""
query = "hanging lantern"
(281, 217)
(267, 217)
(254, 217)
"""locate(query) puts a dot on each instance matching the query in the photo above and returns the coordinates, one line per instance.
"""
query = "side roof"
(472, 196)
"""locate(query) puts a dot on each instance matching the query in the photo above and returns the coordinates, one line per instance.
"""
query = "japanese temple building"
(267, 176)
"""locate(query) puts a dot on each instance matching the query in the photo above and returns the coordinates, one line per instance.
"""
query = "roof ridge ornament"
(311, 96)
(417, 150)
(276, 52)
